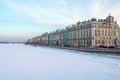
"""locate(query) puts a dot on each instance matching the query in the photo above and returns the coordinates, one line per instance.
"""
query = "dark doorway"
(57, 43)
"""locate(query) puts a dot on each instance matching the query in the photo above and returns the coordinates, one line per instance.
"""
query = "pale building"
(71, 35)
(44, 38)
(56, 40)
(35, 40)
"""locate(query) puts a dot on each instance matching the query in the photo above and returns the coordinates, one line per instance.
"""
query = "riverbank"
(93, 50)
(114, 51)
(98, 50)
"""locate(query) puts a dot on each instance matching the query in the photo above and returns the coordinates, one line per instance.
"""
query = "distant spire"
(109, 14)
(116, 21)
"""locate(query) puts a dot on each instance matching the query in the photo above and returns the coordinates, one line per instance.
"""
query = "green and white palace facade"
(90, 34)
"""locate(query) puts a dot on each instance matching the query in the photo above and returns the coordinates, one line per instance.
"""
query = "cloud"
(41, 14)
(22, 8)
(115, 11)
(64, 2)
(100, 9)
(52, 14)
(96, 8)
(61, 12)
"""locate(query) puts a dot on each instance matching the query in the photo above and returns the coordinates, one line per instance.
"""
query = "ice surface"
(22, 62)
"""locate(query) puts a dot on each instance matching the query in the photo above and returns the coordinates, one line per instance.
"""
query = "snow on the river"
(23, 62)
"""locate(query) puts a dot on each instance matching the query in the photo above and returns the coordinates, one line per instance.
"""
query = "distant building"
(35, 40)
(71, 36)
(44, 39)
(63, 38)
(51, 38)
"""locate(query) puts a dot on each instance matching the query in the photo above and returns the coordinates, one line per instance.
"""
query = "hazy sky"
(23, 19)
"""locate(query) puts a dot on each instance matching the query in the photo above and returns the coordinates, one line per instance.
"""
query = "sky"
(24, 19)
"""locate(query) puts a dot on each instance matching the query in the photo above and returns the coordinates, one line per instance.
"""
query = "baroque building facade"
(63, 37)
(89, 34)
(44, 39)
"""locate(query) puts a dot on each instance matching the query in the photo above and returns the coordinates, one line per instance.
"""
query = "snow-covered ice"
(22, 62)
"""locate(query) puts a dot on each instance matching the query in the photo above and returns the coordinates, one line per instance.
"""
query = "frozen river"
(21, 62)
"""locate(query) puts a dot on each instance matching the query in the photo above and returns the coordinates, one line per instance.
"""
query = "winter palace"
(90, 34)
